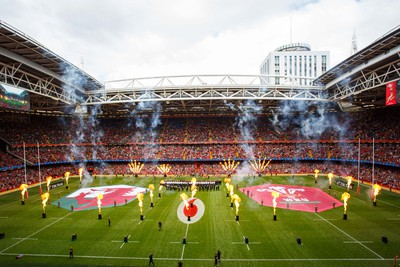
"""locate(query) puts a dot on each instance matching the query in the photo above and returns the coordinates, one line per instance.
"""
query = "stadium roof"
(356, 83)
(27, 64)
(359, 81)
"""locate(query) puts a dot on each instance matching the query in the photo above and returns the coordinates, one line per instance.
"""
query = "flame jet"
(345, 197)
(229, 166)
(193, 187)
(349, 179)
(135, 167)
(151, 189)
(275, 195)
(184, 198)
(376, 188)
(259, 166)
(316, 175)
(140, 197)
(236, 200)
(48, 181)
(160, 187)
(44, 197)
(23, 188)
(80, 171)
(99, 198)
(164, 169)
(66, 176)
(330, 176)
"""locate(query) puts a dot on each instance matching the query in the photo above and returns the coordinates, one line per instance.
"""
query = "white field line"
(387, 203)
(35, 233)
(197, 259)
(19, 238)
(240, 243)
(247, 245)
(340, 230)
(183, 248)
(353, 242)
(393, 219)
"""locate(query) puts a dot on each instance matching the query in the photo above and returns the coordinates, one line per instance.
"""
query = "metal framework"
(203, 87)
(357, 82)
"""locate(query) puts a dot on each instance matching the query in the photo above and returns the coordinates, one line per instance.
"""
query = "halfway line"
(183, 248)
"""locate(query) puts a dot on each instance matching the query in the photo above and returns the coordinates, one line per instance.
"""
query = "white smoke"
(147, 121)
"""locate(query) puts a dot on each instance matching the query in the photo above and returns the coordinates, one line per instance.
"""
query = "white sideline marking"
(340, 230)
(3, 217)
(188, 259)
(35, 233)
(325, 219)
(24, 238)
(393, 219)
(354, 242)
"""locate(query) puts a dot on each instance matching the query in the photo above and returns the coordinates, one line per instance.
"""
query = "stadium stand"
(195, 146)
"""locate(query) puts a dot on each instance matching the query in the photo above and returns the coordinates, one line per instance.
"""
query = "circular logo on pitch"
(190, 211)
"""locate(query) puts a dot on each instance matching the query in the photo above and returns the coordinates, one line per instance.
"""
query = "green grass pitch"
(327, 239)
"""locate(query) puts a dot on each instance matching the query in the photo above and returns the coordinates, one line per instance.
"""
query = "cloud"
(124, 39)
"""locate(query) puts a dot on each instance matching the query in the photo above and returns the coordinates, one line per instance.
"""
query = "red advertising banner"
(391, 93)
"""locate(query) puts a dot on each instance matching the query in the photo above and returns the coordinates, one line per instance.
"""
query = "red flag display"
(391, 93)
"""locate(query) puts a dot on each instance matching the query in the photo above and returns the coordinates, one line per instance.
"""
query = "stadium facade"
(295, 60)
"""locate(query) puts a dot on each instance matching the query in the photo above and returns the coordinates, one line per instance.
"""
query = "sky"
(123, 39)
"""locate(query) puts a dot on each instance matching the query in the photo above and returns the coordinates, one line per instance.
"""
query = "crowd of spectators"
(205, 139)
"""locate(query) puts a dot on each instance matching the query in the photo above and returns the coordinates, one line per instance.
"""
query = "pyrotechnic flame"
(230, 188)
(23, 188)
(236, 200)
(140, 197)
(227, 182)
(151, 188)
(259, 166)
(161, 185)
(330, 176)
(229, 166)
(99, 198)
(184, 197)
(66, 176)
(345, 197)
(275, 195)
(135, 167)
(44, 197)
(193, 187)
(164, 168)
(349, 179)
(376, 188)
(316, 174)
(48, 180)
(80, 171)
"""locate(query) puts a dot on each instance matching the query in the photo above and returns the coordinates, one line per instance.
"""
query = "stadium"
(175, 169)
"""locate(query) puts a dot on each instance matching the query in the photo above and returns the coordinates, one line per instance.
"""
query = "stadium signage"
(343, 184)
(55, 185)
